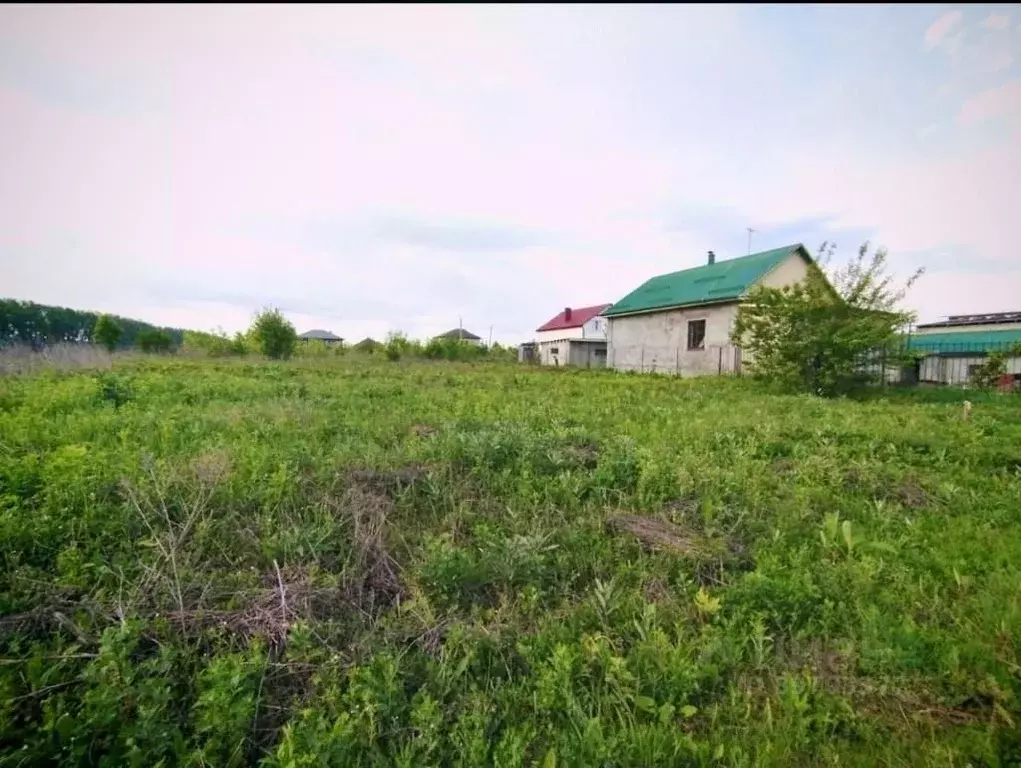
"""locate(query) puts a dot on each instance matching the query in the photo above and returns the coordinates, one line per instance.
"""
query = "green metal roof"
(708, 284)
(956, 342)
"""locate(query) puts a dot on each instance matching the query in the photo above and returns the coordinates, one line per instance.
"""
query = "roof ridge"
(704, 284)
(723, 262)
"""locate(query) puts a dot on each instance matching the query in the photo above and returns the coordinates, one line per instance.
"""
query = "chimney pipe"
(567, 313)
(712, 258)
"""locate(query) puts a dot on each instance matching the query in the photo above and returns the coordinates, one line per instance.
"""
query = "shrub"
(107, 333)
(217, 344)
(988, 374)
(812, 336)
(274, 334)
(155, 341)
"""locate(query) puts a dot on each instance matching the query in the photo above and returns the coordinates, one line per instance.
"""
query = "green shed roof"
(957, 342)
(708, 284)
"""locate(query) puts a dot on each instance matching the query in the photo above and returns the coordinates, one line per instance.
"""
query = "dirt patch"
(386, 481)
(684, 507)
(910, 494)
(584, 456)
(655, 534)
(655, 590)
(854, 479)
(372, 580)
(783, 466)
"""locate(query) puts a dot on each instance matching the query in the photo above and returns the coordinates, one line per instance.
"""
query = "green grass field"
(371, 563)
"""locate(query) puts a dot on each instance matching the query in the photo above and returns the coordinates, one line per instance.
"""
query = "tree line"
(25, 322)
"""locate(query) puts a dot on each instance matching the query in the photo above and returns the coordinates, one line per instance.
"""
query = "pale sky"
(374, 168)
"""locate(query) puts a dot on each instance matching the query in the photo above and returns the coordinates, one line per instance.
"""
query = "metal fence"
(909, 364)
(922, 362)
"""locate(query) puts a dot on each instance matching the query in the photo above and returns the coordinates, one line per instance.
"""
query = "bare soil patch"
(655, 534)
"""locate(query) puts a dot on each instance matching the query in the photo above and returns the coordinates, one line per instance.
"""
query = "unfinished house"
(680, 322)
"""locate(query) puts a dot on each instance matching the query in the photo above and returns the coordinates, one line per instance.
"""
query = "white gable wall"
(791, 270)
(593, 329)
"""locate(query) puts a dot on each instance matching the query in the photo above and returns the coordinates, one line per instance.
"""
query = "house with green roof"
(680, 322)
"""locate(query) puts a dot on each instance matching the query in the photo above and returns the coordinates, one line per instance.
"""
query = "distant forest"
(31, 323)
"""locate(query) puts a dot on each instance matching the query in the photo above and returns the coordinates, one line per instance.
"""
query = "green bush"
(988, 374)
(217, 344)
(274, 334)
(155, 341)
(812, 336)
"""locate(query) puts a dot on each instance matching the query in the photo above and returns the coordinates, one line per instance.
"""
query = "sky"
(381, 167)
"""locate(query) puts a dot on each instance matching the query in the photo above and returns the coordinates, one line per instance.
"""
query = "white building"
(576, 336)
(681, 322)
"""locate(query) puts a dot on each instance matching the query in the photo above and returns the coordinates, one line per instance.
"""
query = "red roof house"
(572, 317)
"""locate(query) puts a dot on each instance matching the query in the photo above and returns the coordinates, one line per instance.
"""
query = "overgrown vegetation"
(814, 336)
(352, 562)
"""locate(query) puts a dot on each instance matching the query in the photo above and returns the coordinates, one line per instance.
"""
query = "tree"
(107, 332)
(274, 334)
(814, 335)
(155, 341)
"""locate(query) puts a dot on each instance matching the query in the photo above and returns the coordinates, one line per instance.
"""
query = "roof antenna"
(750, 230)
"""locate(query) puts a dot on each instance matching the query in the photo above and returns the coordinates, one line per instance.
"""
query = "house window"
(595, 325)
(554, 350)
(600, 353)
(696, 334)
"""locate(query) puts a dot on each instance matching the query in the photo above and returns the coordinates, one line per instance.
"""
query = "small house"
(366, 345)
(681, 322)
(950, 350)
(459, 334)
(319, 335)
(575, 336)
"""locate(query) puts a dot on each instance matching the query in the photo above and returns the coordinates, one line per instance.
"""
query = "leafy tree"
(813, 336)
(107, 332)
(155, 341)
(274, 334)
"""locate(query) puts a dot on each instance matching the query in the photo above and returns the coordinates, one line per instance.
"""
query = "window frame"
(705, 327)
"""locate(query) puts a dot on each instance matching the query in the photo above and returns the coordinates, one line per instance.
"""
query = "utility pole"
(490, 336)
(750, 230)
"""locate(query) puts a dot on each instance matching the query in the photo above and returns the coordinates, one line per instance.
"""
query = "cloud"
(938, 31)
(466, 237)
(370, 167)
(1002, 101)
(996, 21)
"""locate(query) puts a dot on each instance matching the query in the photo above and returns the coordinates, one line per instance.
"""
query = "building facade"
(681, 322)
(576, 337)
(951, 350)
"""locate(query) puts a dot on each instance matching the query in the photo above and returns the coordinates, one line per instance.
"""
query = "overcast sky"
(383, 167)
